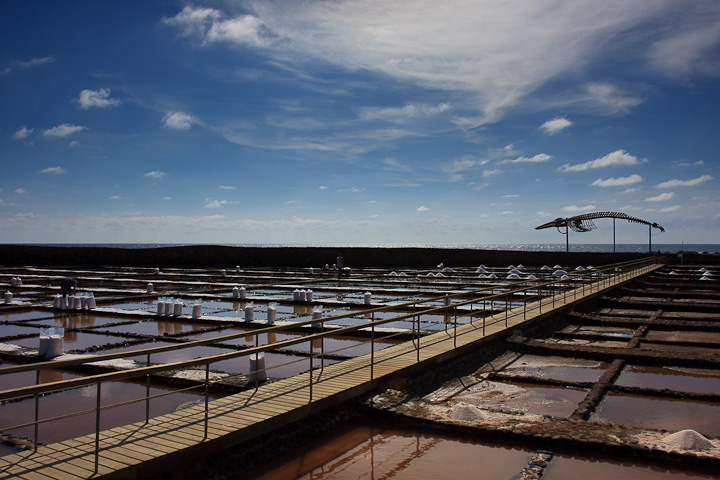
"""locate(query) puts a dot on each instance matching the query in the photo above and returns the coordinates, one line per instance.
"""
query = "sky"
(358, 121)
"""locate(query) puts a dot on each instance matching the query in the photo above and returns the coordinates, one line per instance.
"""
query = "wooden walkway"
(141, 450)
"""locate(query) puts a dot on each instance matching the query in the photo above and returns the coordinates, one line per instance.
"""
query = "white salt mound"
(687, 440)
(466, 412)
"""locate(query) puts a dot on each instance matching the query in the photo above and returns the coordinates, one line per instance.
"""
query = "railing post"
(147, 392)
(507, 307)
(207, 396)
(97, 429)
(310, 376)
(372, 349)
(37, 408)
(417, 350)
(455, 327)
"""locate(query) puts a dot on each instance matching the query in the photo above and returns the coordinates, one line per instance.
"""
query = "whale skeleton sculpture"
(584, 223)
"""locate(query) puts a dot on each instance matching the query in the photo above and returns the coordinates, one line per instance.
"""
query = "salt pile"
(687, 440)
(466, 412)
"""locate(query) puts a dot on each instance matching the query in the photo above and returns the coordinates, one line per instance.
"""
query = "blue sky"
(359, 121)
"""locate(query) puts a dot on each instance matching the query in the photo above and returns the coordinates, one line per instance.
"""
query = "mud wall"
(226, 256)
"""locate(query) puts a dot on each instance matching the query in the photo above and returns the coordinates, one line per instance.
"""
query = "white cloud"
(618, 157)
(661, 198)
(63, 130)
(575, 208)
(226, 187)
(214, 203)
(685, 183)
(691, 49)
(674, 208)
(154, 174)
(556, 125)
(422, 208)
(21, 65)
(209, 25)
(96, 98)
(178, 120)
(511, 196)
(116, 197)
(403, 113)
(22, 133)
(491, 173)
(617, 182)
(20, 191)
(53, 170)
(539, 158)
(495, 54)
(167, 198)
(608, 99)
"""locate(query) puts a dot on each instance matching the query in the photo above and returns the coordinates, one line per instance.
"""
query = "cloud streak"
(685, 183)
(494, 54)
(618, 157)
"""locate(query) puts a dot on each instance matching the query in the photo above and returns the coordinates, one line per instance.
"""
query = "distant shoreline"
(221, 256)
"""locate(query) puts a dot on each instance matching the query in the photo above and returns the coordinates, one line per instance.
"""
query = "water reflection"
(375, 452)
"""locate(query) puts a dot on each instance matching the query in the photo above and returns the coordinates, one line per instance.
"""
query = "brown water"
(681, 380)
(375, 452)
(78, 399)
(563, 467)
(671, 415)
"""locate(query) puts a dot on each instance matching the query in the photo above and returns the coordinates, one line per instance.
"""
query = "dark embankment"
(227, 257)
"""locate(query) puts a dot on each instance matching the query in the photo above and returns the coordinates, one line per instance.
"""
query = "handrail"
(533, 284)
(622, 269)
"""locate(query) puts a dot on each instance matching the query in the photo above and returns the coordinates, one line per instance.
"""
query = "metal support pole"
(37, 408)
(207, 397)
(147, 392)
(372, 350)
(97, 429)
(311, 373)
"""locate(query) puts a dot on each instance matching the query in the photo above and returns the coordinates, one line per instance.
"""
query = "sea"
(524, 247)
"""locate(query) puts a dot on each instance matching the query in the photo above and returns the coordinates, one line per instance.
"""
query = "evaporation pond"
(562, 467)
(362, 451)
(523, 398)
(557, 368)
(678, 379)
(672, 415)
(84, 398)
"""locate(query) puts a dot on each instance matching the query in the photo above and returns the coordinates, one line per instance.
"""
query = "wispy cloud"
(20, 191)
(178, 120)
(21, 65)
(488, 55)
(53, 170)
(154, 174)
(674, 208)
(539, 158)
(422, 208)
(661, 198)
(226, 187)
(617, 182)
(685, 183)
(400, 114)
(618, 157)
(63, 130)
(555, 125)
(96, 98)
(575, 208)
(395, 164)
(22, 133)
